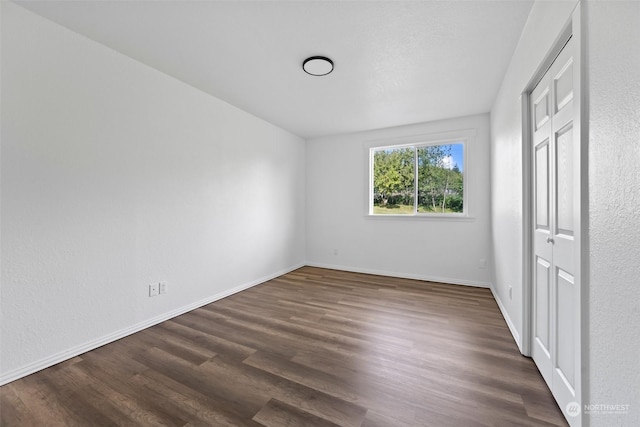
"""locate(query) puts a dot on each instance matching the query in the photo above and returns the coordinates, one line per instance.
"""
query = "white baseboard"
(505, 315)
(402, 275)
(98, 342)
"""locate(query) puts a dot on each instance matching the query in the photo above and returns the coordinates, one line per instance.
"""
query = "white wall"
(545, 22)
(432, 249)
(114, 176)
(614, 203)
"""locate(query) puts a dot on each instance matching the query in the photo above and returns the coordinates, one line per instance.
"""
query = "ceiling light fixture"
(317, 65)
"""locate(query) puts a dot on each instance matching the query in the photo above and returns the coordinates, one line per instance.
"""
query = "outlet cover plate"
(153, 290)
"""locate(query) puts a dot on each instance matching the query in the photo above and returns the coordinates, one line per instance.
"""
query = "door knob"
(550, 240)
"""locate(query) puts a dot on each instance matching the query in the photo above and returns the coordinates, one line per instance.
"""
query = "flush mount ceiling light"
(317, 65)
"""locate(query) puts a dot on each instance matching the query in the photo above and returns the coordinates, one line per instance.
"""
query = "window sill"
(428, 217)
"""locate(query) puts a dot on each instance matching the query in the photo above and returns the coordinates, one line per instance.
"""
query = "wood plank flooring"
(314, 347)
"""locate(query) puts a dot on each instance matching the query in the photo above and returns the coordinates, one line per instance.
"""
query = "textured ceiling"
(396, 62)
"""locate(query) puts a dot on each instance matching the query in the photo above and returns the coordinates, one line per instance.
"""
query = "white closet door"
(555, 174)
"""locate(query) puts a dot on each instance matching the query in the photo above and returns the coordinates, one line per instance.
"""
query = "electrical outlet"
(153, 290)
(483, 263)
(510, 292)
(162, 287)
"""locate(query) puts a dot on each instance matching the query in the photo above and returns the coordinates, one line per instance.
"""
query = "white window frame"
(465, 137)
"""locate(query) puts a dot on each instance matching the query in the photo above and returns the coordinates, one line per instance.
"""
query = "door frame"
(572, 30)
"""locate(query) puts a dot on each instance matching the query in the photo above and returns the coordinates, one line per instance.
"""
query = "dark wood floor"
(315, 347)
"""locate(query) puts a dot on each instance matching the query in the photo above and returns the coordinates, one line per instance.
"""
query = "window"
(418, 179)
